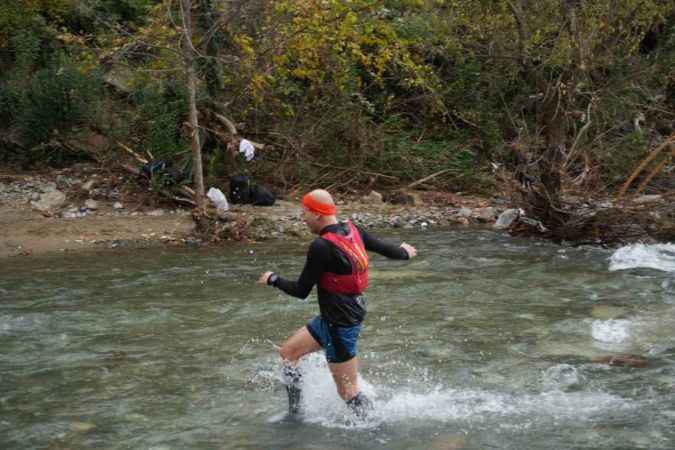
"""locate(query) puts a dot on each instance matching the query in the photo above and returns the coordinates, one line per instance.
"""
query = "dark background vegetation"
(366, 93)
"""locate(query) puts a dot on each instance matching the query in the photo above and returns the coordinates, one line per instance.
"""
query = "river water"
(482, 342)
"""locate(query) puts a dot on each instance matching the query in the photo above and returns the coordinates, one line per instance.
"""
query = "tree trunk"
(189, 60)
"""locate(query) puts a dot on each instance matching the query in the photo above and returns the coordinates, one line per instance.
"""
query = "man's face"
(311, 219)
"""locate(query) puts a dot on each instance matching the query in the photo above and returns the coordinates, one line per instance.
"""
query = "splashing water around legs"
(292, 378)
(505, 346)
(360, 405)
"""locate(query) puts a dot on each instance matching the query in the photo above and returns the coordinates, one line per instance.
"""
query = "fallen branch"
(188, 190)
(138, 157)
(326, 166)
(226, 139)
(654, 153)
(184, 200)
(659, 167)
(427, 178)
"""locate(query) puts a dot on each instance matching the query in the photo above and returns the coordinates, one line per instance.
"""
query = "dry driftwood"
(668, 143)
(588, 221)
(138, 157)
(428, 177)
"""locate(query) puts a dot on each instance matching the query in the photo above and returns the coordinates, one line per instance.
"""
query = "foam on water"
(400, 404)
(562, 376)
(657, 256)
(611, 331)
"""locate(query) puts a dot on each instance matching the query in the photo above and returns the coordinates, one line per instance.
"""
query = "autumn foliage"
(350, 93)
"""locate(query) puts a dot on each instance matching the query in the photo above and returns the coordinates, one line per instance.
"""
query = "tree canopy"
(399, 88)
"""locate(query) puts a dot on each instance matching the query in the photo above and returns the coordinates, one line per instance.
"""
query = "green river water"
(482, 342)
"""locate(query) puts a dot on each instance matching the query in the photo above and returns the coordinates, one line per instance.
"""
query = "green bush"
(10, 101)
(57, 98)
(161, 111)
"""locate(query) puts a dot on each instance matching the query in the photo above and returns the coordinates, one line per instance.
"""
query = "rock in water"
(506, 219)
(623, 361)
(448, 442)
(606, 312)
(82, 427)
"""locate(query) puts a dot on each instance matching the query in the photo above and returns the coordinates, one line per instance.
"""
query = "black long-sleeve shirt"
(324, 256)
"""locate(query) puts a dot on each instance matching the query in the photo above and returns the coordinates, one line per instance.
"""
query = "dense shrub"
(161, 111)
(57, 98)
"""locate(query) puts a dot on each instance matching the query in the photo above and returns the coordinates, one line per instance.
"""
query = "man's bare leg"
(346, 380)
(295, 347)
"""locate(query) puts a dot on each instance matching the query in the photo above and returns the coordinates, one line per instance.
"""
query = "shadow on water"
(482, 342)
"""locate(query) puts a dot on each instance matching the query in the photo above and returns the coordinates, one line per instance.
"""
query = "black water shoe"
(360, 405)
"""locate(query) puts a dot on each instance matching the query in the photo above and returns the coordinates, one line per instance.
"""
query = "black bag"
(240, 189)
(261, 196)
(163, 172)
(153, 167)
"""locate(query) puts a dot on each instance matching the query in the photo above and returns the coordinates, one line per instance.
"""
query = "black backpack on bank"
(261, 196)
(242, 191)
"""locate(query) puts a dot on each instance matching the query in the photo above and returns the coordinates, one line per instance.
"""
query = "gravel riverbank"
(66, 211)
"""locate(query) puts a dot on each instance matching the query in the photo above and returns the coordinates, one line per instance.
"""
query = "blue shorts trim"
(340, 343)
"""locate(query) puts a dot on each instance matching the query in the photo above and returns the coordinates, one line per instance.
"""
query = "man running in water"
(338, 263)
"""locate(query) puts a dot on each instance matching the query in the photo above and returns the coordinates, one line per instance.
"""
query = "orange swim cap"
(317, 207)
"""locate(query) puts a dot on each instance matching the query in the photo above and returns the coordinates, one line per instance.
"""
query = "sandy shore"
(26, 231)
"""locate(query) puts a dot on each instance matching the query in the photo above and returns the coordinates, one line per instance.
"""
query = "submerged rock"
(82, 427)
(623, 361)
(606, 312)
(449, 442)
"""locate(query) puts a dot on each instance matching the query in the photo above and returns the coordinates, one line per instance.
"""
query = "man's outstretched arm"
(317, 256)
(393, 251)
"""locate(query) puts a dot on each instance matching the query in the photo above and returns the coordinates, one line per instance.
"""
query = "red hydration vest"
(352, 246)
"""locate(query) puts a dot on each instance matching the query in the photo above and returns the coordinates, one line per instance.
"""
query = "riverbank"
(84, 208)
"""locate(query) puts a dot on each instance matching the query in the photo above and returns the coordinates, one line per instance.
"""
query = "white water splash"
(657, 256)
(611, 331)
(397, 404)
(561, 377)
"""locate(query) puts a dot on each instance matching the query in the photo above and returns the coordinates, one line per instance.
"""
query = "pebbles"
(24, 190)
(416, 218)
(90, 199)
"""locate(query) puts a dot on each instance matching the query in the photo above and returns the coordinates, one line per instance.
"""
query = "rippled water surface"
(481, 342)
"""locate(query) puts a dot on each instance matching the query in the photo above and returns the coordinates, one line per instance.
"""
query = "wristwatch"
(272, 279)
